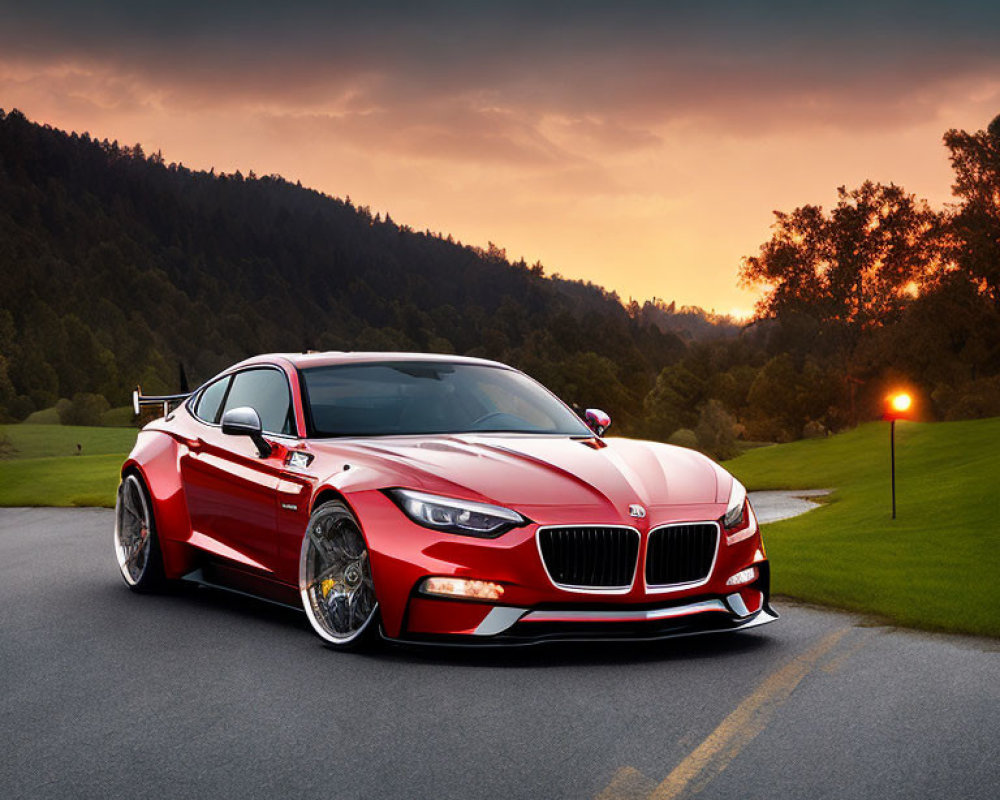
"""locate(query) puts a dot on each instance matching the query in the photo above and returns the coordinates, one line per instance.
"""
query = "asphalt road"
(105, 694)
(770, 506)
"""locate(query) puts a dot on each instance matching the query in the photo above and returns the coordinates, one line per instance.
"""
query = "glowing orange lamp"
(900, 403)
(898, 406)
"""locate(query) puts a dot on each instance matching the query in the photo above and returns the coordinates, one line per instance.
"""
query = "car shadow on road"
(546, 655)
(596, 653)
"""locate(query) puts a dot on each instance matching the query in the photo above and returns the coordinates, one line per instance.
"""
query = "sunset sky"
(642, 146)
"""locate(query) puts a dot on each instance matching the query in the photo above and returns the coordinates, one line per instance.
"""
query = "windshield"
(425, 397)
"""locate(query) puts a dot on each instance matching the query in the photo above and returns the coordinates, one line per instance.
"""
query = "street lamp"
(901, 402)
(898, 407)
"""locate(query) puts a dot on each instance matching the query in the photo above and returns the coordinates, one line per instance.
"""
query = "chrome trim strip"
(627, 616)
(498, 620)
(736, 603)
(588, 589)
(666, 588)
(762, 618)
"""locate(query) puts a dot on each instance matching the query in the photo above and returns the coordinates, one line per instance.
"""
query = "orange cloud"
(640, 146)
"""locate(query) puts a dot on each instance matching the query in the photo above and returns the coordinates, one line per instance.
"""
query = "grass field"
(45, 471)
(935, 567)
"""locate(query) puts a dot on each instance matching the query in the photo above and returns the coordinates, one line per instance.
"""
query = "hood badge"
(637, 511)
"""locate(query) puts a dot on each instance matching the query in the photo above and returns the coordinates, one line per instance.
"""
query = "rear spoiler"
(139, 400)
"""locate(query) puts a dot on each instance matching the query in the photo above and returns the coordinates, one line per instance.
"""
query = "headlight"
(455, 516)
(736, 506)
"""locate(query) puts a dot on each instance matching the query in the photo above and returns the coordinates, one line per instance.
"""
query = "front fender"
(156, 457)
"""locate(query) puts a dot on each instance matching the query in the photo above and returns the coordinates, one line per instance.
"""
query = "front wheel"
(137, 548)
(335, 579)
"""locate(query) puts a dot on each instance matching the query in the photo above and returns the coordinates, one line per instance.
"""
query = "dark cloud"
(473, 79)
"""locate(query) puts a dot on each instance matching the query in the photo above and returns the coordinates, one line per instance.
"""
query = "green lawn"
(45, 441)
(936, 566)
(45, 472)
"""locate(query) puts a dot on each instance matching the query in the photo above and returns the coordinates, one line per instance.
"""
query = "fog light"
(743, 576)
(460, 587)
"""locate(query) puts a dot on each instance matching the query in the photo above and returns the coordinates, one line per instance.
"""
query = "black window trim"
(231, 375)
(196, 397)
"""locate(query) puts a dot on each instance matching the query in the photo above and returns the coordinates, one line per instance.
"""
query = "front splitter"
(525, 634)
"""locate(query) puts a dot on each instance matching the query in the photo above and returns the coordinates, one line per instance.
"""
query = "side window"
(210, 401)
(266, 392)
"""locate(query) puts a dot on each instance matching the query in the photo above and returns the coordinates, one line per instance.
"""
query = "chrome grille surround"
(663, 588)
(587, 589)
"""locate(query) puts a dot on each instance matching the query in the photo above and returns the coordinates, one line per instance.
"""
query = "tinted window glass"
(266, 392)
(431, 397)
(210, 400)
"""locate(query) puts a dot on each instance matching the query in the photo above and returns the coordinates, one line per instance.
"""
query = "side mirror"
(244, 421)
(598, 421)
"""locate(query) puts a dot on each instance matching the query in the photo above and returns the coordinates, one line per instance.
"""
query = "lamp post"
(899, 406)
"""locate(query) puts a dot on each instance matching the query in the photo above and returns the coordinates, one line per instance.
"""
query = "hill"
(689, 322)
(117, 266)
(935, 566)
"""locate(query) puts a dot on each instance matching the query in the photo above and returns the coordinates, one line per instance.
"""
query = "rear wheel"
(335, 579)
(137, 548)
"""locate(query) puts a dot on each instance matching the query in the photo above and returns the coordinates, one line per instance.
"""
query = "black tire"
(137, 546)
(335, 580)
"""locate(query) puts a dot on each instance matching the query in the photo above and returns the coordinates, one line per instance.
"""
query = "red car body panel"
(215, 498)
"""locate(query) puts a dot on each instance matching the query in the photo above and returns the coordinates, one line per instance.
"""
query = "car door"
(231, 491)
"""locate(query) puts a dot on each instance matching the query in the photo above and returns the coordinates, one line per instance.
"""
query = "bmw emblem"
(637, 511)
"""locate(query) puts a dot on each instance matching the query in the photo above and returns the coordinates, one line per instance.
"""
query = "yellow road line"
(628, 784)
(740, 728)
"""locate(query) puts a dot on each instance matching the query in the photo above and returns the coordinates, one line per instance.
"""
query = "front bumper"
(533, 609)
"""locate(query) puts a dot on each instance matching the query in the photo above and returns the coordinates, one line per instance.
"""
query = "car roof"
(333, 357)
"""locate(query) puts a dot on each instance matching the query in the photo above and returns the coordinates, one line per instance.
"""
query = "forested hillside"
(117, 267)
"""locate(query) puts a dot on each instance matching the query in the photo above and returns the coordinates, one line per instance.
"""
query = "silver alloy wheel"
(335, 576)
(133, 530)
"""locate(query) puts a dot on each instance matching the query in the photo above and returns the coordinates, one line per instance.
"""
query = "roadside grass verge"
(935, 567)
(45, 441)
(44, 470)
(72, 481)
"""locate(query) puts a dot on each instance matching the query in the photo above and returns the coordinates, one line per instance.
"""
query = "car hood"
(537, 471)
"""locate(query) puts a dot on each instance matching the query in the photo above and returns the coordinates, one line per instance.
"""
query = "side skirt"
(199, 578)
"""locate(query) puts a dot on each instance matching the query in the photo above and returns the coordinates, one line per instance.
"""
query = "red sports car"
(431, 498)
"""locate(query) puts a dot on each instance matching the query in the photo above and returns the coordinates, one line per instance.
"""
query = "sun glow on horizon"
(614, 163)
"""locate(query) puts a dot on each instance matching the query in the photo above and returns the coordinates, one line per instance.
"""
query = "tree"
(975, 224)
(591, 381)
(856, 266)
(785, 396)
(716, 430)
(85, 409)
(884, 249)
(672, 401)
